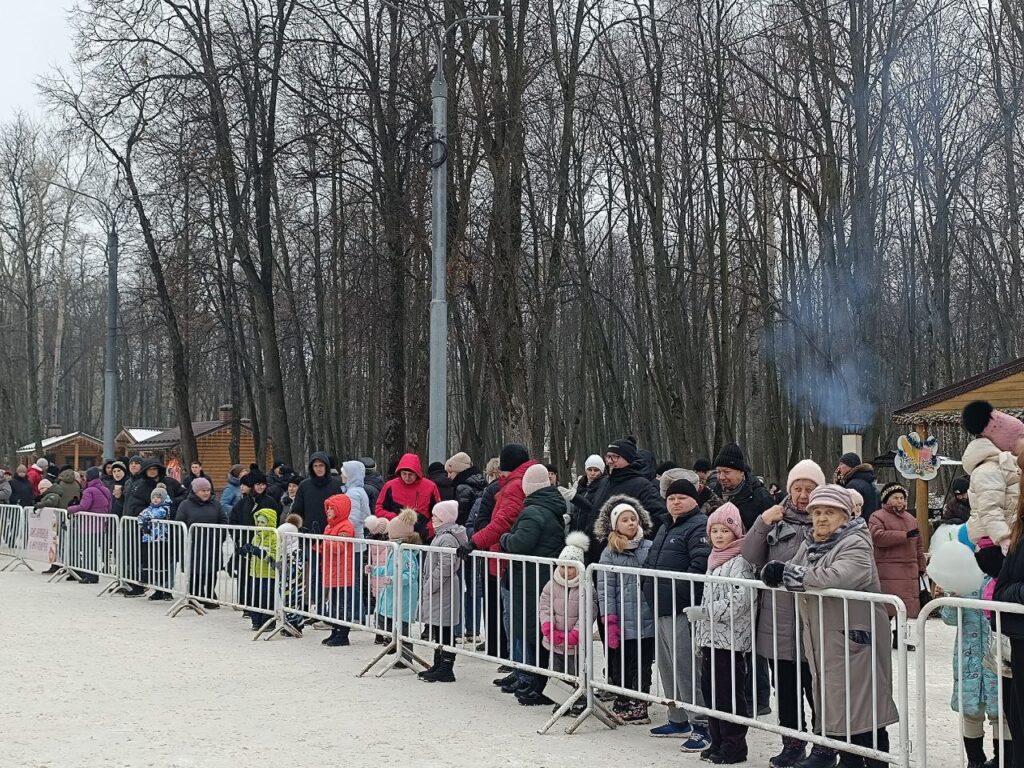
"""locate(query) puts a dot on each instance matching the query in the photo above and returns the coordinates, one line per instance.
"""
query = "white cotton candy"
(952, 565)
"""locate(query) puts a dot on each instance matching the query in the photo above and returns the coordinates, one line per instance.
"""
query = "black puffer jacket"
(193, 510)
(1010, 589)
(680, 546)
(142, 488)
(487, 500)
(469, 486)
(630, 481)
(751, 498)
(21, 492)
(248, 504)
(862, 479)
(312, 493)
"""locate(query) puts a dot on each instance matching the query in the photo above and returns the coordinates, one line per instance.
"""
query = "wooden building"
(213, 440)
(131, 436)
(76, 449)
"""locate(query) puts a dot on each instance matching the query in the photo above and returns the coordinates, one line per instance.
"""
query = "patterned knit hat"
(576, 545)
(834, 496)
(891, 490)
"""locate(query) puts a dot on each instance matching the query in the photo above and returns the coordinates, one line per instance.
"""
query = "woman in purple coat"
(89, 532)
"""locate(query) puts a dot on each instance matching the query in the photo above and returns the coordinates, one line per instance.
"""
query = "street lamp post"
(437, 443)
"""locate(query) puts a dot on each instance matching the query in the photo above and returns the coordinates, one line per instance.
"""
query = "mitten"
(913, 534)
(545, 629)
(573, 638)
(695, 613)
(557, 637)
(612, 631)
(772, 573)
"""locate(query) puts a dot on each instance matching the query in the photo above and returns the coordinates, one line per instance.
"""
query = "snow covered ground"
(88, 681)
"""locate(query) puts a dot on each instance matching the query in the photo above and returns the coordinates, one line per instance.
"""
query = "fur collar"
(603, 524)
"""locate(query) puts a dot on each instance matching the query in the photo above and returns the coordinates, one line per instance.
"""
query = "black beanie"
(961, 485)
(253, 476)
(512, 457)
(731, 457)
(435, 466)
(702, 465)
(850, 459)
(92, 473)
(682, 486)
(625, 448)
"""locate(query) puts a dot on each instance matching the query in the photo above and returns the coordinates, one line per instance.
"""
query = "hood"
(979, 451)
(340, 505)
(472, 477)
(147, 463)
(232, 480)
(456, 530)
(411, 462)
(355, 472)
(265, 518)
(862, 471)
(67, 476)
(319, 456)
(603, 524)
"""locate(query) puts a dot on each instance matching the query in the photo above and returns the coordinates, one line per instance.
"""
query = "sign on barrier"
(43, 534)
(13, 535)
(88, 547)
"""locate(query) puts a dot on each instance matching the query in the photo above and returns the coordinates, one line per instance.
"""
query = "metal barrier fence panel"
(153, 556)
(535, 597)
(13, 536)
(976, 675)
(642, 621)
(332, 582)
(88, 547)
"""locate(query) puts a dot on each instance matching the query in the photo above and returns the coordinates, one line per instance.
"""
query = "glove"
(557, 637)
(147, 525)
(771, 574)
(612, 631)
(573, 638)
(545, 629)
(990, 561)
(695, 613)
(913, 534)
(465, 550)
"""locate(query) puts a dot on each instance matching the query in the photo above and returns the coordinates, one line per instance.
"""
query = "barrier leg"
(566, 706)
(17, 560)
(184, 603)
(63, 572)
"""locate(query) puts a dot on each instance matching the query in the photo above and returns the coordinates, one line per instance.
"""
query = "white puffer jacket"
(730, 608)
(995, 487)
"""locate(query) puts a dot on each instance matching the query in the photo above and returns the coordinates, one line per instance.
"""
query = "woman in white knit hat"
(776, 535)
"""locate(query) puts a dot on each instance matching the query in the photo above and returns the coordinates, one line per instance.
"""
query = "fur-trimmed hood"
(603, 524)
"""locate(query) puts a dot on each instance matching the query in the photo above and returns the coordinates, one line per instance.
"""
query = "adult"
(153, 473)
(21, 487)
(134, 476)
(850, 659)
(409, 489)
(899, 551)
(314, 491)
(437, 474)
(118, 477)
(288, 498)
(626, 477)
(991, 461)
(195, 470)
(777, 534)
(707, 485)
(353, 479)
(202, 507)
(593, 477)
(681, 546)
(957, 509)
(36, 473)
(373, 482)
(855, 474)
(96, 498)
(232, 491)
(469, 483)
(5, 486)
(69, 488)
(256, 498)
(539, 530)
(106, 475)
(746, 492)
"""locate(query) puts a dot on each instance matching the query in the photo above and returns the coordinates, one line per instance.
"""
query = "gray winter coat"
(621, 594)
(441, 578)
(776, 615)
(5, 491)
(828, 630)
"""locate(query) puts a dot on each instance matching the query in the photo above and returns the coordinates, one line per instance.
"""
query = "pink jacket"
(900, 560)
(559, 606)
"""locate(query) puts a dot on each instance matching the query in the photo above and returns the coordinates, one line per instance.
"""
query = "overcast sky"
(34, 36)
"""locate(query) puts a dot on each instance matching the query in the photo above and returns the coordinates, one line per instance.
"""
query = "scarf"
(636, 540)
(794, 521)
(720, 557)
(818, 549)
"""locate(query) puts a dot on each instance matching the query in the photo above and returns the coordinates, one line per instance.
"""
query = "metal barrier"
(331, 579)
(669, 641)
(152, 556)
(436, 602)
(13, 536)
(979, 645)
(89, 542)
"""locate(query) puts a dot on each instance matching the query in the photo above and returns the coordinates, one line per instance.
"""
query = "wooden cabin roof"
(54, 442)
(171, 437)
(1002, 386)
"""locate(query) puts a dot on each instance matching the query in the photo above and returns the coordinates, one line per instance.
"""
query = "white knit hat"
(594, 462)
(805, 470)
(618, 509)
(42, 463)
(576, 545)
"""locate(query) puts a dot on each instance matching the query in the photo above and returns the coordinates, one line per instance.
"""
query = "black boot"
(338, 637)
(975, 749)
(445, 672)
(433, 667)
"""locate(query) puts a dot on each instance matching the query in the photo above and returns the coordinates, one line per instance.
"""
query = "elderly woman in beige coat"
(837, 554)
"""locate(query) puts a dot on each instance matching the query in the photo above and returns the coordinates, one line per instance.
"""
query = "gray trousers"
(678, 668)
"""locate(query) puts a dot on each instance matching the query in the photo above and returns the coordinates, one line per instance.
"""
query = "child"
(625, 523)
(441, 590)
(558, 612)
(154, 556)
(293, 570)
(262, 553)
(976, 686)
(376, 529)
(338, 565)
(722, 631)
(401, 528)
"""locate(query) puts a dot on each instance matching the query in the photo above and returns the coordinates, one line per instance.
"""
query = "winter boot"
(444, 673)
(820, 757)
(433, 667)
(636, 714)
(975, 749)
(337, 638)
(793, 751)
(51, 570)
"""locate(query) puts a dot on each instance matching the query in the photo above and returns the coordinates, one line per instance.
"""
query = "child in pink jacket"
(376, 529)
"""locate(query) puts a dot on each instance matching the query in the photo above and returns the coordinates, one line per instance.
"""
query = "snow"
(105, 681)
(139, 435)
(51, 441)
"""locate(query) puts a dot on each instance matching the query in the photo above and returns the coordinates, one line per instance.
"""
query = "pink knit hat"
(834, 496)
(728, 515)
(403, 526)
(375, 525)
(982, 420)
(535, 478)
(805, 470)
(446, 512)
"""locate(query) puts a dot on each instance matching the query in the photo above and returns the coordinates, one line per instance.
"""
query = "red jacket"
(507, 506)
(396, 494)
(338, 557)
(34, 476)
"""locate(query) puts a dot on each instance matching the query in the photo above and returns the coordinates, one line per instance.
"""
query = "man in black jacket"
(681, 545)
(626, 478)
(738, 486)
(853, 473)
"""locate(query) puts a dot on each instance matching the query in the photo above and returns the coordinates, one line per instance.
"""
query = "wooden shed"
(129, 437)
(938, 413)
(76, 449)
(213, 439)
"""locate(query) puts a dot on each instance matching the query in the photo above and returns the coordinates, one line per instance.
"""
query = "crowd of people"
(713, 645)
